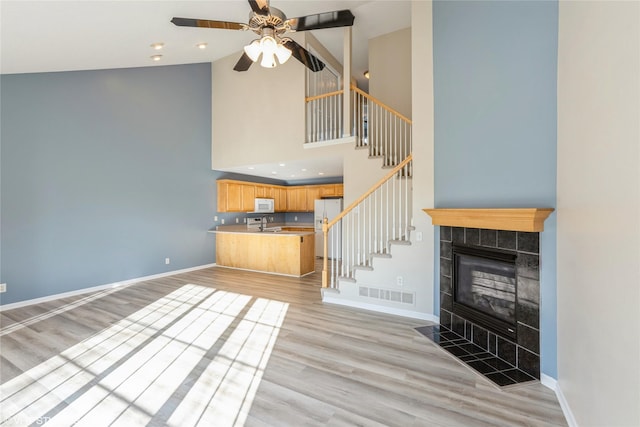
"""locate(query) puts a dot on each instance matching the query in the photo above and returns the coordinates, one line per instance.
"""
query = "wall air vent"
(387, 295)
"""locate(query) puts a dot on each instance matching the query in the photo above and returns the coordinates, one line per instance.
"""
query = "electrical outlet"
(295, 218)
(237, 220)
(222, 221)
(167, 261)
(399, 281)
(245, 220)
(215, 218)
(3, 287)
(419, 236)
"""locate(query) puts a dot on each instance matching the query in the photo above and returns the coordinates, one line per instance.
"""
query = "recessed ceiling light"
(251, 168)
(274, 173)
(201, 45)
(157, 46)
(304, 170)
(320, 173)
(293, 175)
(282, 164)
(156, 57)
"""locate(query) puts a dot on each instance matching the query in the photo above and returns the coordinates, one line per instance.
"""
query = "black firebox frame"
(498, 326)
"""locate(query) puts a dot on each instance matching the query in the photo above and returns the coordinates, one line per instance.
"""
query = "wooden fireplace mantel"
(513, 219)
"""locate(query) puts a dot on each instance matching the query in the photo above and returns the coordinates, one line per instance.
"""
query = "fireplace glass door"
(485, 288)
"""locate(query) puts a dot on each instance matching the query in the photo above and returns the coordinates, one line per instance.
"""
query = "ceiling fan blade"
(243, 63)
(204, 23)
(338, 18)
(260, 7)
(303, 55)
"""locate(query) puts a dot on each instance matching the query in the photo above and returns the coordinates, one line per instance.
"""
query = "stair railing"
(385, 131)
(368, 226)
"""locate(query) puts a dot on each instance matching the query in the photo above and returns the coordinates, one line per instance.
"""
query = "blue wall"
(495, 67)
(103, 175)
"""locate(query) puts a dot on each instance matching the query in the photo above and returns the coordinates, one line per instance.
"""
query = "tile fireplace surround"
(503, 361)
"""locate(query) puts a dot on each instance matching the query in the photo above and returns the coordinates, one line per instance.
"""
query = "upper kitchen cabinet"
(297, 199)
(239, 196)
(265, 191)
(235, 196)
(331, 190)
(280, 199)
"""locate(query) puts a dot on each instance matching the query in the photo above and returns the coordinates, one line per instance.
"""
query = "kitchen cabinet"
(229, 197)
(313, 192)
(297, 199)
(279, 253)
(239, 196)
(280, 199)
(266, 191)
(248, 198)
(235, 196)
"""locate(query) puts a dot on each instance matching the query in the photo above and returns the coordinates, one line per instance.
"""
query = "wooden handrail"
(324, 95)
(380, 103)
(368, 192)
(326, 225)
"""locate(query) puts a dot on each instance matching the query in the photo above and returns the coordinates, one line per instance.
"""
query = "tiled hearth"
(484, 362)
(502, 360)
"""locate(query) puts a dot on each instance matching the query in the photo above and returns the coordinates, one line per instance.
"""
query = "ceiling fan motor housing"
(275, 20)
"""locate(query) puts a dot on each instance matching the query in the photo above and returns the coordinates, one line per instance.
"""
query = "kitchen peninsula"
(282, 250)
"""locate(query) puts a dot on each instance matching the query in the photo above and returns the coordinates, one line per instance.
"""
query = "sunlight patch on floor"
(165, 363)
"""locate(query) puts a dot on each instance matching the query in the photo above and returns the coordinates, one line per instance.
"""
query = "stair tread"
(381, 255)
(363, 267)
(400, 242)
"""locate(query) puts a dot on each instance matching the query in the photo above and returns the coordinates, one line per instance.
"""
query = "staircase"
(382, 216)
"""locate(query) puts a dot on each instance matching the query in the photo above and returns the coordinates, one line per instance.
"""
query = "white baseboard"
(552, 383)
(549, 382)
(99, 288)
(326, 297)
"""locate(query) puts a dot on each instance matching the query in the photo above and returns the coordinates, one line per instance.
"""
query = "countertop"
(242, 228)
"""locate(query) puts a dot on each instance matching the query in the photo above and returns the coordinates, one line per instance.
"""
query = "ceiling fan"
(271, 24)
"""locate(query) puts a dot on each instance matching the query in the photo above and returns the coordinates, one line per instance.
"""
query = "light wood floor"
(221, 347)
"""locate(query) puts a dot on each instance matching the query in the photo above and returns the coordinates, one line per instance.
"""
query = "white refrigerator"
(327, 208)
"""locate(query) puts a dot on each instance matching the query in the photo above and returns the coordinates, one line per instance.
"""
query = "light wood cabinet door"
(261, 191)
(234, 197)
(314, 192)
(280, 199)
(296, 199)
(248, 197)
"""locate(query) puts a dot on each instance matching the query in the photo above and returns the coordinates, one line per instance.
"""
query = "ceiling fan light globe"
(268, 60)
(268, 45)
(253, 50)
(283, 54)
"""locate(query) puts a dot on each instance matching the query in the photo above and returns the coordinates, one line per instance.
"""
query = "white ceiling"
(44, 36)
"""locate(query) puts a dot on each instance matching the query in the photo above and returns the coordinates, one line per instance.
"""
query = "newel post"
(325, 253)
(346, 84)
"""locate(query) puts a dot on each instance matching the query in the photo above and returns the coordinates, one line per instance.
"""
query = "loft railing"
(324, 116)
(367, 227)
(376, 126)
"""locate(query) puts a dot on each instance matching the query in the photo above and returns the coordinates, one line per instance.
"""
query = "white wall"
(390, 70)
(423, 143)
(414, 263)
(247, 108)
(599, 211)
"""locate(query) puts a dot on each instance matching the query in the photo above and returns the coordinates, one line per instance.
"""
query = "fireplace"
(484, 288)
(490, 319)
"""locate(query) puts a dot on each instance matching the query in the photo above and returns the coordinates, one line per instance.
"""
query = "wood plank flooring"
(219, 347)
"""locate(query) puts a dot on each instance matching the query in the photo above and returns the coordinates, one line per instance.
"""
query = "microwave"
(264, 205)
